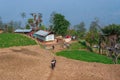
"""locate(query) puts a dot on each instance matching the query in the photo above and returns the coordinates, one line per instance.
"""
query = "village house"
(44, 35)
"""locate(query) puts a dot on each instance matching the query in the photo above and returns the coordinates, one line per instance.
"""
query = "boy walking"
(53, 63)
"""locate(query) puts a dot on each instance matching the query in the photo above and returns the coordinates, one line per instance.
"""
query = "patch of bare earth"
(33, 63)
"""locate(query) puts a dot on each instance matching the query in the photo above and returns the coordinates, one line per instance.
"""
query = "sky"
(75, 11)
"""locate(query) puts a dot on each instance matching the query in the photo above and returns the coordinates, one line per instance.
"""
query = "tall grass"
(12, 39)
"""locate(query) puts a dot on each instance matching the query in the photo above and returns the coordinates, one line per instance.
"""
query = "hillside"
(33, 63)
(12, 39)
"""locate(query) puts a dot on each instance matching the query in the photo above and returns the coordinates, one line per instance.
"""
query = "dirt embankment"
(33, 63)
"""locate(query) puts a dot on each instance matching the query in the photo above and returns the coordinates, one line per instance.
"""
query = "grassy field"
(75, 52)
(76, 45)
(85, 56)
(11, 39)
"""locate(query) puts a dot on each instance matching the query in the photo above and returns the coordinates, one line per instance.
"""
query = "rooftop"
(42, 33)
(23, 30)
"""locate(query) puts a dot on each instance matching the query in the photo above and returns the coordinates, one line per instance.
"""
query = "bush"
(83, 43)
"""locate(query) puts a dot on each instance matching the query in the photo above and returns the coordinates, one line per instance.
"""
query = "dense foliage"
(27, 26)
(59, 24)
(72, 32)
(11, 39)
(111, 29)
(92, 38)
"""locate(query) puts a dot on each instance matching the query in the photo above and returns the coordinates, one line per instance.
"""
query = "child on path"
(53, 63)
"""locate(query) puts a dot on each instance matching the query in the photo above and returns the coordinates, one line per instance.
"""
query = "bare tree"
(36, 20)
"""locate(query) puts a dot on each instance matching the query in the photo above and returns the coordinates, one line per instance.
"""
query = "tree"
(50, 28)
(111, 29)
(11, 26)
(27, 26)
(113, 33)
(93, 35)
(11, 23)
(94, 25)
(80, 28)
(59, 24)
(92, 38)
(1, 23)
(36, 20)
(42, 27)
(31, 22)
(72, 32)
(15, 24)
(10, 29)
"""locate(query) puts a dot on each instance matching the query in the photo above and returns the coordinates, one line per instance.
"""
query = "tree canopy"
(59, 24)
(1, 23)
(94, 26)
(80, 28)
(111, 29)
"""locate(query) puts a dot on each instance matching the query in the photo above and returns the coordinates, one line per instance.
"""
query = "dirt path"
(51, 75)
(33, 63)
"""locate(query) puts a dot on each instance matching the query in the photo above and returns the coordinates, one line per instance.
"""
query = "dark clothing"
(53, 63)
(53, 47)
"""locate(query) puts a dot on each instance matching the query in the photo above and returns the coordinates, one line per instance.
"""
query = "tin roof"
(23, 30)
(42, 33)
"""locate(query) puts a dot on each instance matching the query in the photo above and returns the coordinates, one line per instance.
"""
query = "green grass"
(86, 56)
(80, 45)
(12, 39)
(77, 45)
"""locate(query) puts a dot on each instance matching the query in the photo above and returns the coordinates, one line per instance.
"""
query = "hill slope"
(12, 39)
(33, 63)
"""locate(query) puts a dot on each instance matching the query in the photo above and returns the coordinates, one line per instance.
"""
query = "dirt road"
(33, 63)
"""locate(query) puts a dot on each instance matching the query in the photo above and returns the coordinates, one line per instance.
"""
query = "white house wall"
(49, 37)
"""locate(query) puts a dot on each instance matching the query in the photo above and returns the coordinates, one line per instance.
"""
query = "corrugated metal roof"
(23, 30)
(42, 33)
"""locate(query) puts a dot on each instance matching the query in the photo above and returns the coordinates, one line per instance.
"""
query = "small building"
(25, 31)
(44, 35)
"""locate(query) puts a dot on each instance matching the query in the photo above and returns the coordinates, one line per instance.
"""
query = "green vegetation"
(111, 29)
(81, 44)
(79, 51)
(85, 56)
(80, 29)
(11, 39)
(59, 24)
(76, 45)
